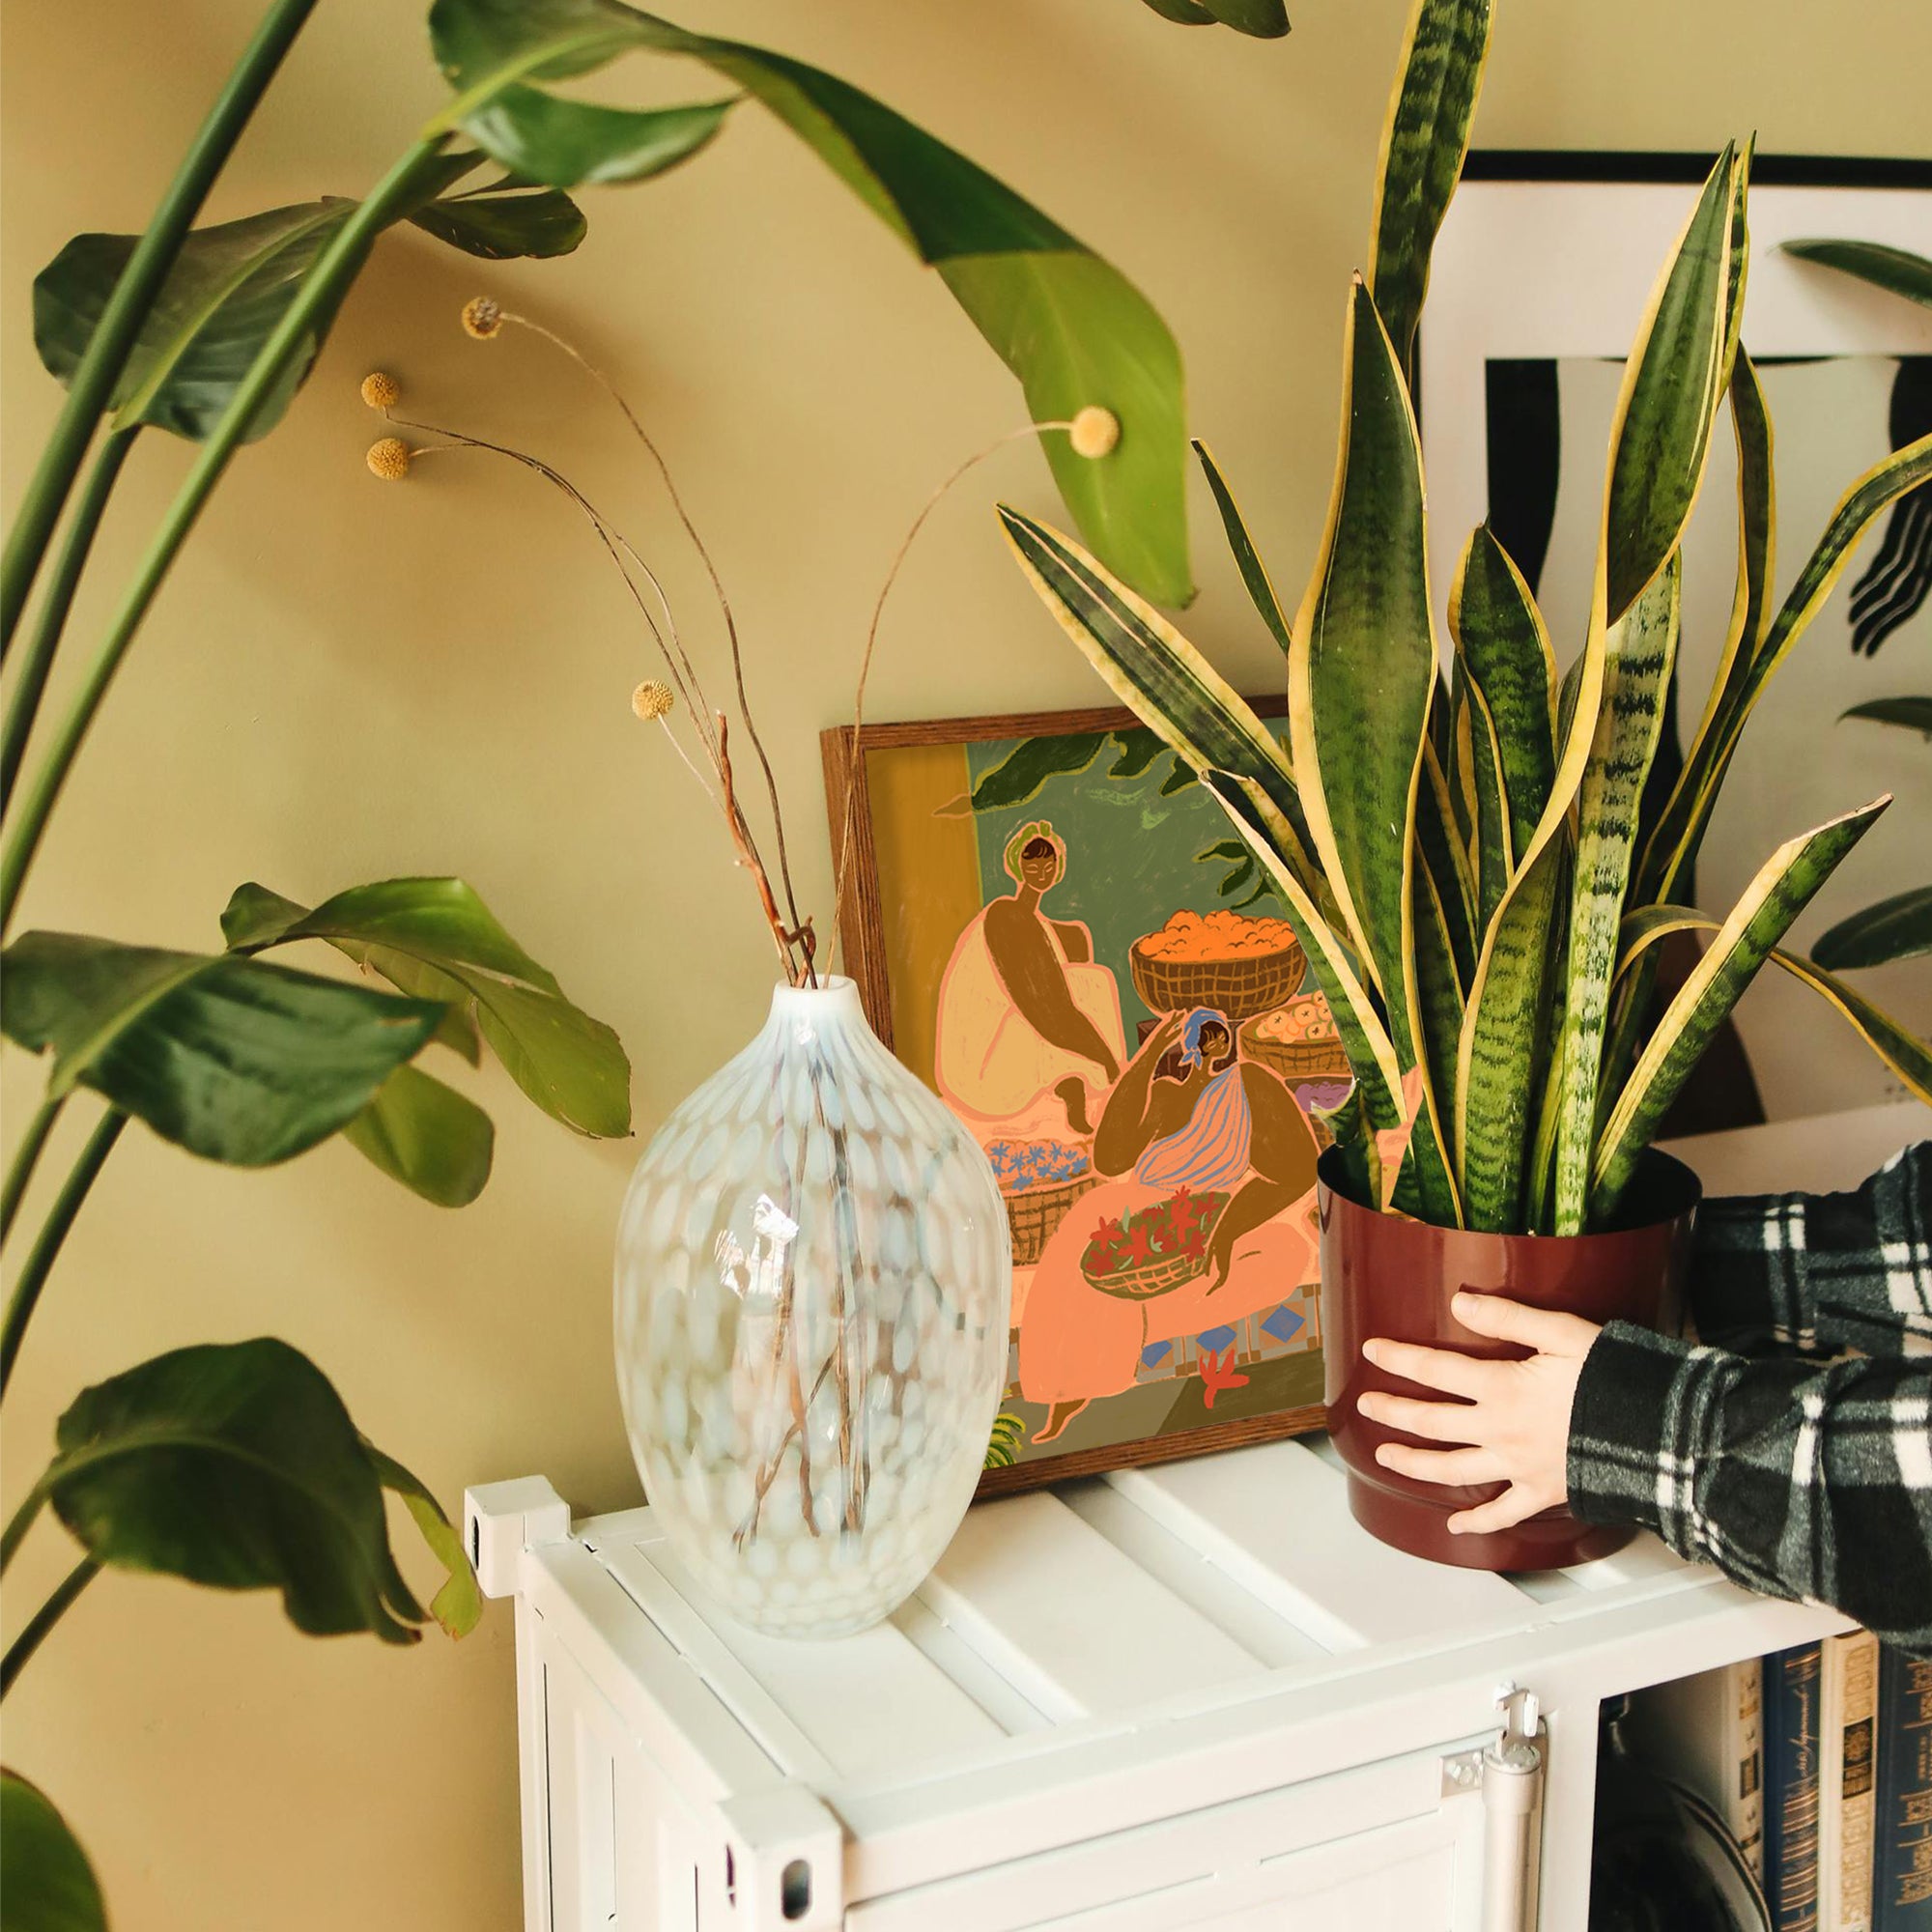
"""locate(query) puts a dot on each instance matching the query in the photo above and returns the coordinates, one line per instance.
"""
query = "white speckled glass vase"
(813, 1275)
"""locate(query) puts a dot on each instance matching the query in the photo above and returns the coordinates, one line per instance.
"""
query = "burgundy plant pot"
(1385, 1276)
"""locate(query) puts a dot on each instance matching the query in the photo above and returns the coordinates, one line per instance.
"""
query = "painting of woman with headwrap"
(1222, 1127)
(1028, 1035)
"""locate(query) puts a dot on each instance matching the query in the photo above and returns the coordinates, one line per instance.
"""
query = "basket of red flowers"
(1152, 1250)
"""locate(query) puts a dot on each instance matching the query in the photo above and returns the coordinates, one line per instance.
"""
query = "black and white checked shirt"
(1792, 1444)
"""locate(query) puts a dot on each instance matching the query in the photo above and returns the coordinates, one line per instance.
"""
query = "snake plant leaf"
(1672, 385)
(1498, 1077)
(234, 1060)
(226, 291)
(1898, 270)
(437, 938)
(1504, 648)
(427, 1136)
(1712, 749)
(1247, 558)
(1438, 994)
(1638, 665)
(458, 1604)
(50, 1886)
(575, 144)
(1260, 19)
(1914, 714)
(234, 1465)
(1155, 672)
(1480, 761)
(1424, 138)
(501, 224)
(1361, 669)
(1783, 887)
(1071, 327)
(1447, 862)
(1901, 1050)
(1899, 927)
(1665, 853)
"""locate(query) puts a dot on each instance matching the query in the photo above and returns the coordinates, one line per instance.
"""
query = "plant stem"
(59, 1218)
(59, 600)
(20, 1169)
(44, 1619)
(128, 307)
(334, 268)
(21, 1521)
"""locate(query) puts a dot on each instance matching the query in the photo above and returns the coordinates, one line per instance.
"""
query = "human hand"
(1514, 1418)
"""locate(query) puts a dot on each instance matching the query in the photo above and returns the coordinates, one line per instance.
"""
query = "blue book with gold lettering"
(1902, 1883)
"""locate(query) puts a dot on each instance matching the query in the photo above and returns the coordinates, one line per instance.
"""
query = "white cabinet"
(1195, 1695)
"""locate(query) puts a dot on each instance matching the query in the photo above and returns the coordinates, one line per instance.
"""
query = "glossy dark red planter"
(1385, 1276)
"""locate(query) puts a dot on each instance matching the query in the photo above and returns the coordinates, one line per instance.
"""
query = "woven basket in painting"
(1159, 1276)
(1297, 1058)
(1034, 1212)
(1241, 988)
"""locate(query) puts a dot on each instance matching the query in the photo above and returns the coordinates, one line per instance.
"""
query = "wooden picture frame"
(919, 759)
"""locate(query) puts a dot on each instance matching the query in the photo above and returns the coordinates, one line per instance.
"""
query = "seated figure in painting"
(1225, 1146)
(1029, 1033)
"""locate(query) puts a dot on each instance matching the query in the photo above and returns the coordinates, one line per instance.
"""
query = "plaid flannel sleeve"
(1800, 1475)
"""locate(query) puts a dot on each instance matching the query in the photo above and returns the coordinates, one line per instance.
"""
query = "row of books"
(1819, 1760)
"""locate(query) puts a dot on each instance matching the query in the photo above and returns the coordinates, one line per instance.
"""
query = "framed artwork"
(1539, 278)
(1052, 924)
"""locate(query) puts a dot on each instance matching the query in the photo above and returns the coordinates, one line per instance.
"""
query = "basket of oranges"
(1238, 964)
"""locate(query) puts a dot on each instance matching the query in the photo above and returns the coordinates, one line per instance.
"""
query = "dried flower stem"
(841, 876)
(638, 429)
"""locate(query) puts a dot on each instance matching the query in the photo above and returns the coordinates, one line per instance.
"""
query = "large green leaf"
(1361, 679)
(572, 143)
(1071, 328)
(1897, 270)
(227, 290)
(1904, 1052)
(1504, 648)
(1486, 804)
(1154, 670)
(1638, 670)
(1899, 927)
(50, 1886)
(1262, 19)
(1424, 139)
(1028, 766)
(504, 222)
(1782, 889)
(1438, 994)
(437, 938)
(427, 1136)
(1442, 854)
(458, 1604)
(234, 1465)
(1672, 385)
(233, 1059)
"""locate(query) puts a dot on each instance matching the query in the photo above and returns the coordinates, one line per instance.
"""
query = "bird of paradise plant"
(1467, 859)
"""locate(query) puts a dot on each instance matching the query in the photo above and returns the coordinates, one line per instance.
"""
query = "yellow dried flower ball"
(482, 316)
(389, 459)
(1095, 431)
(381, 391)
(652, 701)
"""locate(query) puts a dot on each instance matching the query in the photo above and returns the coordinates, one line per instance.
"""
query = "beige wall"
(345, 683)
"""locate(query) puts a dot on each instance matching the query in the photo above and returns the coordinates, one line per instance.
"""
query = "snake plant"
(1466, 857)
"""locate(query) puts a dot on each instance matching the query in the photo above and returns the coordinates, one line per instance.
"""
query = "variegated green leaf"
(1710, 759)
(1247, 558)
(1782, 889)
(1361, 676)
(1672, 384)
(1898, 927)
(1424, 139)
(1438, 996)
(1498, 1079)
(1903, 1051)
(1152, 668)
(1666, 851)
(1488, 807)
(1442, 853)
(1636, 674)
(1504, 647)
